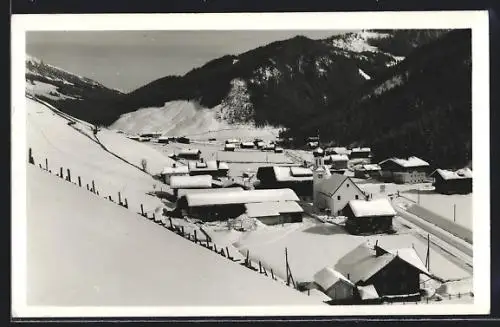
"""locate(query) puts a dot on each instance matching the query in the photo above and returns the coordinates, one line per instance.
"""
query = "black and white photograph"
(307, 164)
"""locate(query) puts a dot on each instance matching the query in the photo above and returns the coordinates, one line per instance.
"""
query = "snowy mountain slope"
(50, 136)
(186, 118)
(85, 251)
(72, 93)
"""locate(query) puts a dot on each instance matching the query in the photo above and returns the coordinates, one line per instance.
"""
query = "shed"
(335, 285)
(334, 192)
(373, 216)
(400, 170)
(247, 145)
(163, 139)
(201, 181)
(276, 212)
(337, 161)
(367, 171)
(189, 154)
(452, 182)
(213, 168)
(229, 147)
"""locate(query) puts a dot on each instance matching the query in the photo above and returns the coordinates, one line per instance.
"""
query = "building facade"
(404, 171)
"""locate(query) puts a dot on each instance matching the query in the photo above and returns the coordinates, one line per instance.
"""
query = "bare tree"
(144, 164)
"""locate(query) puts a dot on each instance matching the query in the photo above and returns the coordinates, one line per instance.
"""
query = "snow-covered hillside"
(85, 251)
(186, 118)
(50, 137)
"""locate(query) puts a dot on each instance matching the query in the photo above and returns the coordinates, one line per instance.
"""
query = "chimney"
(348, 276)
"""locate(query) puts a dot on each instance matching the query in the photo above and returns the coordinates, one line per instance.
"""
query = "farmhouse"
(411, 170)
(360, 153)
(367, 171)
(278, 149)
(232, 141)
(190, 182)
(213, 168)
(334, 191)
(453, 182)
(189, 154)
(229, 147)
(337, 161)
(393, 274)
(223, 205)
(273, 213)
(373, 216)
(335, 285)
(299, 179)
(175, 170)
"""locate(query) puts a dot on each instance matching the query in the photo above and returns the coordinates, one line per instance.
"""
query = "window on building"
(338, 197)
(356, 197)
(347, 185)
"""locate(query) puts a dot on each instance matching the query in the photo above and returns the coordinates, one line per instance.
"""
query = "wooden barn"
(299, 179)
(175, 170)
(183, 140)
(360, 153)
(412, 170)
(334, 191)
(393, 274)
(452, 182)
(189, 154)
(223, 205)
(190, 182)
(369, 217)
(335, 285)
(213, 168)
(275, 213)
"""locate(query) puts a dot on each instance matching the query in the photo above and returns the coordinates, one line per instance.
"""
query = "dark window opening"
(338, 197)
(356, 196)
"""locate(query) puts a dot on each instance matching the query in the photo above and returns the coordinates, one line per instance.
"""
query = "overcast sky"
(127, 60)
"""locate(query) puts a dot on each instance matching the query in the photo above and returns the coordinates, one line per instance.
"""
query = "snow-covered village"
(308, 170)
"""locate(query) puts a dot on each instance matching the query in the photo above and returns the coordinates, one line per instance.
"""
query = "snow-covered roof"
(338, 157)
(362, 263)
(409, 255)
(189, 152)
(175, 170)
(369, 167)
(331, 184)
(337, 150)
(182, 192)
(201, 181)
(223, 165)
(407, 163)
(465, 173)
(232, 141)
(229, 145)
(292, 174)
(318, 151)
(367, 292)
(238, 197)
(210, 165)
(365, 149)
(377, 207)
(247, 143)
(266, 209)
(328, 276)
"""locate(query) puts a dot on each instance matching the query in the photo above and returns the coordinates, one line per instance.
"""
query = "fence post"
(79, 181)
(109, 197)
(215, 247)
(272, 274)
(227, 252)
(97, 192)
(30, 157)
(126, 203)
(61, 172)
(87, 187)
(119, 198)
(195, 237)
(40, 165)
(46, 164)
(93, 186)
(171, 224)
(142, 210)
(260, 267)
(154, 216)
(69, 175)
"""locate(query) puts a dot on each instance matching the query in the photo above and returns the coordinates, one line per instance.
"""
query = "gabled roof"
(338, 157)
(189, 152)
(361, 263)
(265, 209)
(368, 167)
(407, 163)
(330, 185)
(210, 165)
(292, 174)
(465, 173)
(240, 197)
(377, 207)
(201, 181)
(183, 192)
(328, 276)
(366, 149)
(367, 292)
(175, 170)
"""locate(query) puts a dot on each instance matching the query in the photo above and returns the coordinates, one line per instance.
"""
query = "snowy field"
(442, 205)
(312, 245)
(86, 251)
